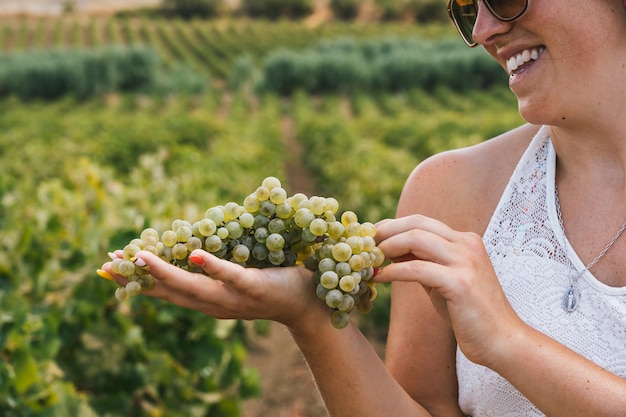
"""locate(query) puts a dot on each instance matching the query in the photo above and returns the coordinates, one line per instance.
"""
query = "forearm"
(557, 380)
(352, 379)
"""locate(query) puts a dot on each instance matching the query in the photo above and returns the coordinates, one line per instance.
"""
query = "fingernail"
(139, 262)
(377, 271)
(196, 259)
(104, 274)
(112, 256)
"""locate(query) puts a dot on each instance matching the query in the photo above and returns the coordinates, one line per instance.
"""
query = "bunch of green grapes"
(270, 229)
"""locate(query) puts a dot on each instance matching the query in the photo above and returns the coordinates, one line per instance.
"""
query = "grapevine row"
(211, 46)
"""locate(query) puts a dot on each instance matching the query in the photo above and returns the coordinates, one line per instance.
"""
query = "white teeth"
(523, 57)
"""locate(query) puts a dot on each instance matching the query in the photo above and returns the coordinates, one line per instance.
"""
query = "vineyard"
(79, 178)
(208, 46)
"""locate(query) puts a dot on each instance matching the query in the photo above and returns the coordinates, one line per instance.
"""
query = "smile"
(522, 58)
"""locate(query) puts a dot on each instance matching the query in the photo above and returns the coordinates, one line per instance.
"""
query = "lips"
(522, 58)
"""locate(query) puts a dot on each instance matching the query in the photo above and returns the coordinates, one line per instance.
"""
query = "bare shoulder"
(462, 187)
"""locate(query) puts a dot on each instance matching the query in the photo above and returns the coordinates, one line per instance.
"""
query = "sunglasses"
(464, 12)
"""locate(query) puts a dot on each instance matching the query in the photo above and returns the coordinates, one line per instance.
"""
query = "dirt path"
(288, 389)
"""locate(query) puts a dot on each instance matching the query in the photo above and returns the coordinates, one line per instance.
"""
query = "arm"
(457, 275)
(421, 347)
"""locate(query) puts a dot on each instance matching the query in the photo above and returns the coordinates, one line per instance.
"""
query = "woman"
(509, 293)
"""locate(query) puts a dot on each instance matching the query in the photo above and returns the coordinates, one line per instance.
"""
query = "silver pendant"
(571, 299)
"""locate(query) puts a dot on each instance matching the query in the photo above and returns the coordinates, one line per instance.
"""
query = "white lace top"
(525, 243)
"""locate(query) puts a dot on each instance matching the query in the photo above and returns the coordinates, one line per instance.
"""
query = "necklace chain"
(572, 295)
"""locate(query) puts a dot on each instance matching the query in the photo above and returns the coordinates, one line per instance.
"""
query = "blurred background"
(120, 115)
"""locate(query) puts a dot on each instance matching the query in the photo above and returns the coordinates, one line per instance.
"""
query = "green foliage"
(188, 9)
(111, 169)
(84, 73)
(390, 64)
(345, 9)
(430, 11)
(275, 9)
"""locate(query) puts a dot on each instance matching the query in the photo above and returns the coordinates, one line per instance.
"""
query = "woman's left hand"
(457, 273)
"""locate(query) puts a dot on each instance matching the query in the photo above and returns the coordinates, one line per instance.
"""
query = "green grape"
(349, 217)
(235, 231)
(260, 221)
(241, 253)
(326, 264)
(318, 205)
(318, 227)
(267, 208)
(183, 233)
(148, 282)
(149, 241)
(357, 262)
(261, 234)
(149, 232)
(276, 257)
(133, 288)
(340, 319)
(262, 193)
(151, 249)
(222, 232)
(355, 243)
(169, 238)
(295, 200)
(334, 298)
(321, 291)
(284, 211)
(126, 268)
(213, 243)
(193, 243)
(176, 224)
(347, 283)
(276, 225)
(341, 252)
(332, 205)
(206, 227)
(278, 195)
(115, 265)
(303, 217)
(131, 250)
(368, 229)
(259, 252)
(308, 236)
(329, 279)
(179, 251)
(246, 220)
(216, 214)
(347, 304)
(121, 294)
(270, 229)
(270, 183)
(251, 203)
(343, 268)
(275, 242)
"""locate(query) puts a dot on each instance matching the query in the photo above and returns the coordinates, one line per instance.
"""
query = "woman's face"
(560, 54)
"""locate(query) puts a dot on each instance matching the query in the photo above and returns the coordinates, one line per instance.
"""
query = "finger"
(417, 244)
(387, 228)
(429, 274)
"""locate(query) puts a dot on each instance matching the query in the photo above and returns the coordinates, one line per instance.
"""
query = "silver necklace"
(571, 298)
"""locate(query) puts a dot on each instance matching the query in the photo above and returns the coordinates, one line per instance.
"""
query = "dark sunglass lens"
(507, 9)
(464, 14)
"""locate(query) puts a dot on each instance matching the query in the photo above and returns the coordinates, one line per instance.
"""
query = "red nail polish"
(196, 259)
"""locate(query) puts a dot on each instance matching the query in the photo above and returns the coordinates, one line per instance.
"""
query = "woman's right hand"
(230, 291)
